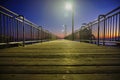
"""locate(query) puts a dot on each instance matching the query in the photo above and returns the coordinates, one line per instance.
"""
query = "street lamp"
(70, 7)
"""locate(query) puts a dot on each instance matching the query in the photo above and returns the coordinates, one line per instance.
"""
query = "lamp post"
(65, 30)
(71, 8)
(72, 25)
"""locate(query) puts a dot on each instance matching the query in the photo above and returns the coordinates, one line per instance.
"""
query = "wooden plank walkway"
(60, 60)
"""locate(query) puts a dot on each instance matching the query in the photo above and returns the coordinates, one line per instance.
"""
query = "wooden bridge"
(60, 60)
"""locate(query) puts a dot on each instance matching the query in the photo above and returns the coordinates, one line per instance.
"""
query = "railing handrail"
(118, 8)
(18, 15)
(26, 20)
(105, 27)
(15, 28)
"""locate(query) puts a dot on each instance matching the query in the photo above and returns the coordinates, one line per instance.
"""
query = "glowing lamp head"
(68, 6)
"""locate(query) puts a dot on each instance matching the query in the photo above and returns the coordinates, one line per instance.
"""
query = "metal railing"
(16, 28)
(103, 31)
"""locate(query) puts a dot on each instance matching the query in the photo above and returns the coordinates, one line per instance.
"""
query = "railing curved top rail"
(15, 14)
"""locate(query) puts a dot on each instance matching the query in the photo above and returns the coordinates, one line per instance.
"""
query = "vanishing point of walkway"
(60, 60)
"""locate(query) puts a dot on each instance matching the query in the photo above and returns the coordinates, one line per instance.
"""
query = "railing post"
(99, 17)
(11, 29)
(17, 27)
(90, 32)
(7, 34)
(41, 33)
(104, 30)
(49, 36)
(17, 30)
(23, 30)
(38, 34)
(22, 17)
(1, 27)
(4, 28)
(80, 35)
(119, 28)
(31, 33)
(98, 28)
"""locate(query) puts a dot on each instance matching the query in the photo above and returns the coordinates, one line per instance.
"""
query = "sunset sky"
(52, 15)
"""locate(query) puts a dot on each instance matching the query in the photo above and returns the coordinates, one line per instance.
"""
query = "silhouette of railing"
(16, 28)
(105, 30)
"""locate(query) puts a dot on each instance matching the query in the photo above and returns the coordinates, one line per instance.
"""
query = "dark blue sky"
(51, 14)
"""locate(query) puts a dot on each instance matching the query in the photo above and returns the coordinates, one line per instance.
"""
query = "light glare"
(68, 6)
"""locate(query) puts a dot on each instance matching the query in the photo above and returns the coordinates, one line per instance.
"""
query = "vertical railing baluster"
(17, 29)
(108, 28)
(91, 31)
(111, 28)
(41, 33)
(1, 27)
(98, 29)
(23, 30)
(13, 29)
(119, 27)
(4, 26)
(10, 29)
(104, 30)
(38, 34)
(31, 32)
(6, 29)
(116, 28)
